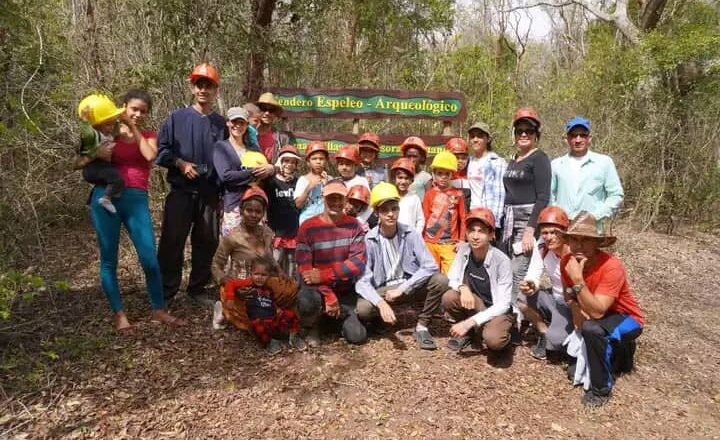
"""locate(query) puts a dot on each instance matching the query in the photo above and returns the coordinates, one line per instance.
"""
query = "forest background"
(647, 73)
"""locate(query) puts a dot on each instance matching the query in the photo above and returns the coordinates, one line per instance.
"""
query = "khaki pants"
(495, 333)
(431, 291)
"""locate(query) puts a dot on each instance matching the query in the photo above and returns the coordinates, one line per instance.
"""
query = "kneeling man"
(596, 287)
(481, 284)
(399, 268)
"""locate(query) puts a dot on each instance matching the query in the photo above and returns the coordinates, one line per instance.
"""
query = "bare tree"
(262, 12)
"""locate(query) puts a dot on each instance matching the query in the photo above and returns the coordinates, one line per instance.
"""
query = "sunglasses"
(525, 131)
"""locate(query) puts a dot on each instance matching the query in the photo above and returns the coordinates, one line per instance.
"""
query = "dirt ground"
(65, 373)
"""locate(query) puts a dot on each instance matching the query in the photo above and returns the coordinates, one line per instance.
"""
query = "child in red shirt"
(444, 209)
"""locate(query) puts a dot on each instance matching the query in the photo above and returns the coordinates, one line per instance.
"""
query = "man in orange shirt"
(597, 290)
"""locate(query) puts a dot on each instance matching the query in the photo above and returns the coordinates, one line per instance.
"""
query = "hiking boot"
(313, 337)
(539, 350)
(218, 320)
(425, 340)
(592, 400)
(274, 347)
(105, 202)
(297, 342)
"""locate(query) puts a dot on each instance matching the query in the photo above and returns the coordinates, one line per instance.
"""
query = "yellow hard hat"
(253, 159)
(445, 160)
(96, 109)
(383, 192)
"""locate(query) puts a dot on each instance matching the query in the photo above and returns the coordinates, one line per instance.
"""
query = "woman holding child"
(132, 155)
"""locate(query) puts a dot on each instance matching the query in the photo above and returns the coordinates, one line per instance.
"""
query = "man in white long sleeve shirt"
(480, 280)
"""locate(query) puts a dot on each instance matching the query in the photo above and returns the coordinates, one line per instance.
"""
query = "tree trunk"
(262, 18)
(651, 13)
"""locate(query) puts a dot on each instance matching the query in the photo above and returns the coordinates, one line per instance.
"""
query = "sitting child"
(99, 117)
(357, 204)
(268, 322)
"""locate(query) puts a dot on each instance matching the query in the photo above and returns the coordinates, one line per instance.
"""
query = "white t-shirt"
(475, 176)
(357, 180)
(411, 213)
(314, 204)
(552, 266)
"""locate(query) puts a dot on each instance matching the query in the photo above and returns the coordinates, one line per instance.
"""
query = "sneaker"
(458, 344)
(297, 342)
(592, 400)
(218, 321)
(105, 202)
(539, 350)
(274, 347)
(313, 337)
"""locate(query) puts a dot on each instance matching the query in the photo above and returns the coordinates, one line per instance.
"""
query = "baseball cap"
(234, 113)
(577, 121)
(335, 187)
(479, 125)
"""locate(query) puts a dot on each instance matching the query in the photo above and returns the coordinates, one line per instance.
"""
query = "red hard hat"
(205, 70)
(413, 141)
(289, 149)
(349, 152)
(255, 191)
(370, 138)
(404, 164)
(359, 192)
(483, 214)
(554, 215)
(457, 146)
(314, 147)
(527, 113)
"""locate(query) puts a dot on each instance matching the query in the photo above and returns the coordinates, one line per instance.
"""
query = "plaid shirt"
(486, 183)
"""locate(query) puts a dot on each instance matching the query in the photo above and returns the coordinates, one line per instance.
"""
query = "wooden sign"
(370, 104)
(390, 142)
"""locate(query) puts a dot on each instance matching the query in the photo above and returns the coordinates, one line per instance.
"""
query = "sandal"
(425, 340)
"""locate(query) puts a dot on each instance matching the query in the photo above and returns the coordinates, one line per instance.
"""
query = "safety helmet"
(253, 159)
(287, 151)
(349, 152)
(205, 70)
(404, 164)
(457, 145)
(314, 147)
(370, 140)
(383, 192)
(445, 160)
(554, 215)
(255, 191)
(413, 141)
(360, 193)
(483, 214)
(96, 109)
(527, 113)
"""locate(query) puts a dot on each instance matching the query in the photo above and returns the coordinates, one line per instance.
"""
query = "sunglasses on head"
(525, 131)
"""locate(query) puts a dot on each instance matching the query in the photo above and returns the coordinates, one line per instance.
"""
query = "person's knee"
(496, 340)
(309, 302)
(438, 282)
(450, 299)
(365, 310)
(353, 331)
(592, 329)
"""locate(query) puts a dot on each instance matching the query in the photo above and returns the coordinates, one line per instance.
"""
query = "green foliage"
(14, 285)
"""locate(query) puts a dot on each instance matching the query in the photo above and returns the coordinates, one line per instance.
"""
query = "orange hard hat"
(413, 141)
(483, 214)
(205, 70)
(255, 191)
(404, 164)
(360, 193)
(314, 147)
(457, 146)
(527, 113)
(349, 152)
(554, 215)
(370, 138)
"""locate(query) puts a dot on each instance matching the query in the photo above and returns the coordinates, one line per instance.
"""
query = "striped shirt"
(337, 249)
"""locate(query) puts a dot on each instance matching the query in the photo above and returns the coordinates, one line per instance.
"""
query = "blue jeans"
(134, 213)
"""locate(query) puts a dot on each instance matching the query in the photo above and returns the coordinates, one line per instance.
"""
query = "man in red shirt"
(597, 290)
(330, 255)
(270, 140)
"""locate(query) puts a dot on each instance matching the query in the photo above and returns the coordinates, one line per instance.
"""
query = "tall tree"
(262, 12)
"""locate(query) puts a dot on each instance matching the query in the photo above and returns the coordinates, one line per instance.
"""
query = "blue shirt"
(189, 135)
(596, 189)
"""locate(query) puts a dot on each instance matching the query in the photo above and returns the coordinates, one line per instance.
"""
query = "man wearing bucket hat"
(583, 180)
(269, 139)
(330, 257)
(399, 268)
(185, 148)
(596, 286)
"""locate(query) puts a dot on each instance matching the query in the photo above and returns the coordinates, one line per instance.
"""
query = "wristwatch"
(575, 289)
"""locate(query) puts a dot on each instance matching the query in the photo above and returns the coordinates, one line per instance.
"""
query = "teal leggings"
(133, 212)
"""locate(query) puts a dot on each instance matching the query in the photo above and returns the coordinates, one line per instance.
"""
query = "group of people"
(293, 255)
